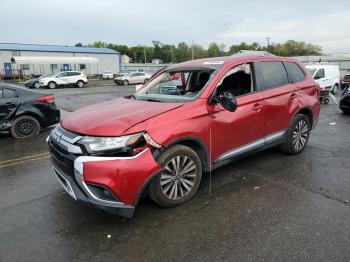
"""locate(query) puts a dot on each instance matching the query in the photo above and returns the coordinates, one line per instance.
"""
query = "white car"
(65, 78)
(107, 75)
(327, 76)
(132, 78)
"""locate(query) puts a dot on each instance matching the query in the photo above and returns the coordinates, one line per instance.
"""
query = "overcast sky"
(133, 22)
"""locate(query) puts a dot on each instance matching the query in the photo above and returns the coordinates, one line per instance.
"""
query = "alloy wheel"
(300, 135)
(178, 177)
(25, 127)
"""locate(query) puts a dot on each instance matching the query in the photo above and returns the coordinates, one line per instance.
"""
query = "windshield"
(176, 85)
(312, 70)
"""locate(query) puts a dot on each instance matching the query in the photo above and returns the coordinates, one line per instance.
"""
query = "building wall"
(106, 62)
(342, 61)
(148, 68)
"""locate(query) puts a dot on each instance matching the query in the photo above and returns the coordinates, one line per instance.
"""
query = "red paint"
(258, 115)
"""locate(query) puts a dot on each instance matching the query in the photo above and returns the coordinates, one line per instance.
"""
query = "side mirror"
(227, 100)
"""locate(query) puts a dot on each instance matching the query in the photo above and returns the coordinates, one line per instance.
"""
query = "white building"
(26, 59)
(125, 59)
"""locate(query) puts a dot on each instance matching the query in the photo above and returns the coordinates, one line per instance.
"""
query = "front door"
(234, 133)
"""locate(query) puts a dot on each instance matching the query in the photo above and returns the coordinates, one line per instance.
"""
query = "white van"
(327, 76)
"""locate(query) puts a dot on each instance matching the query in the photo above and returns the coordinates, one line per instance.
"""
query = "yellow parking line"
(16, 161)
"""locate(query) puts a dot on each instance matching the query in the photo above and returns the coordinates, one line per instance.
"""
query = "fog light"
(102, 193)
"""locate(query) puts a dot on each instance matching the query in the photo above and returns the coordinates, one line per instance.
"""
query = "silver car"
(132, 78)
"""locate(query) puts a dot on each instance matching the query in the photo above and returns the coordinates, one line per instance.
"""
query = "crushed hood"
(114, 117)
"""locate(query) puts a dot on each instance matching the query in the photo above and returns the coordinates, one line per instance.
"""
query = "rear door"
(8, 103)
(279, 95)
(62, 78)
(73, 77)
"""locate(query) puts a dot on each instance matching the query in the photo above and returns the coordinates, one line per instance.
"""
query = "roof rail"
(252, 53)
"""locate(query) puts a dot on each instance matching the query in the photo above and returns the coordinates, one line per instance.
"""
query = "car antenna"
(210, 161)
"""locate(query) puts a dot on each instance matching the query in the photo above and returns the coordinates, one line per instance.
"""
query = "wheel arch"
(307, 112)
(32, 114)
(194, 143)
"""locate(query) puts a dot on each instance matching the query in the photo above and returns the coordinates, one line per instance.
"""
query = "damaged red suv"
(161, 140)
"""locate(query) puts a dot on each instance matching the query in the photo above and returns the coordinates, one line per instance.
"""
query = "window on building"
(14, 53)
(54, 68)
(82, 66)
(25, 67)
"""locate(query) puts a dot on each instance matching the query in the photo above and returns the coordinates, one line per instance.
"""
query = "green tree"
(214, 50)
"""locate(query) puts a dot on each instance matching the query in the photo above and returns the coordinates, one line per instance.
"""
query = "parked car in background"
(327, 76)
(35, 82)
(64, 78)
(25, 112)
(344, 103)
(132, 78)
(157, 143)
(116, 76)
(107, 75)
(345, 80)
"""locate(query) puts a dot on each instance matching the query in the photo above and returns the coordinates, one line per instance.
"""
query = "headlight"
(106, 144)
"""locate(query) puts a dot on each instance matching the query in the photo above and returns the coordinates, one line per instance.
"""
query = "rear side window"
(296, 74)
(8, 93)
(273, 74)
(73, 73)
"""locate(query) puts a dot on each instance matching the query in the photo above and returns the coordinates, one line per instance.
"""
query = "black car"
(35, 81)
(24, 112)
(344, 103)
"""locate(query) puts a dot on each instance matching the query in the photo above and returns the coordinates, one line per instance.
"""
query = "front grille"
(62, 159)
(63, 149)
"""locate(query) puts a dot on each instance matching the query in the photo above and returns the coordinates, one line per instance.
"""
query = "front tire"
(297, 135)
(125, 82)
(25, 126)
(179, 179)
(335, 89)
(52, 85)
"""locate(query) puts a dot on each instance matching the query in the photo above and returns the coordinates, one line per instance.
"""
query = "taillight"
(46, 99)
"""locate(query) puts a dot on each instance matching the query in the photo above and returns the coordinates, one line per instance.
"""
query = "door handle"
(257, 107)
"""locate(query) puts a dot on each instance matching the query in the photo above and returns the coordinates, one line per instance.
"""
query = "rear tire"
(80, 84)
(179, 179)
(297, 135)
(36, 85)
(25, 126)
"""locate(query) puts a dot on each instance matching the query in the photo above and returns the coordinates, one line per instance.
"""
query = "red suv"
(159, 141)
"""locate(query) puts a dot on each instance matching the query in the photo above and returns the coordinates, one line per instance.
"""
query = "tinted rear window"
(295, 73)
(273, 74)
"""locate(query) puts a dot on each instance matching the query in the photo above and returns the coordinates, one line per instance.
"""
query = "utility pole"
(144, 53)
(268, 42)
(192, 49)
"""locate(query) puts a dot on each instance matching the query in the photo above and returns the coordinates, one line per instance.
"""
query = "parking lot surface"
(265, 207)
